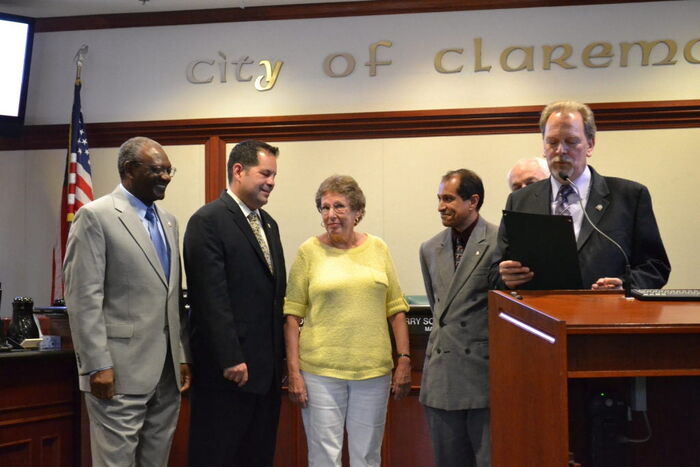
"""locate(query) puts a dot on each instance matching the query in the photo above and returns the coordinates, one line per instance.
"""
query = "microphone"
(627, 276)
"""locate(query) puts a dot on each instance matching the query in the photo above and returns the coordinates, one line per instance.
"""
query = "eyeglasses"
(338, 208)
(158, 171)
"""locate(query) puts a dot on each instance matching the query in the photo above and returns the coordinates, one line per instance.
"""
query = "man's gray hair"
(540, 161)
(589, 127)
(129, 152)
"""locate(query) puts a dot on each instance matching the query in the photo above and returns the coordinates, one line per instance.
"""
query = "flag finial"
(79, 59)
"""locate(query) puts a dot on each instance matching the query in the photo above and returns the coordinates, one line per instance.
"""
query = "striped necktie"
(562, 206)
(459, 251)
(254, 222)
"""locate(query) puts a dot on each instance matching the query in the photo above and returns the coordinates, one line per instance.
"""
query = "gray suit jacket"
(455, 372)
(122, 311)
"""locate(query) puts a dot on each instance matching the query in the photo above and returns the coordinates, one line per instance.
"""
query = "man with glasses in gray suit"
(122, 273)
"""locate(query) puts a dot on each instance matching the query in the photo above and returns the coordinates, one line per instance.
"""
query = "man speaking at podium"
(619, 208)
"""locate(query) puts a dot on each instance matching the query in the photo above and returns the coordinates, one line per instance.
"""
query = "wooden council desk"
(43, 421)
(39, 409)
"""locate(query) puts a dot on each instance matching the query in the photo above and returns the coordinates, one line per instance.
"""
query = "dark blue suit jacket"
(620, 208)
(236, 302)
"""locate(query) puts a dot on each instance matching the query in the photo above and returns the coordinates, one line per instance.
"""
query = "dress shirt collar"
(246, 210)
(583, 186)
(463, 235)
(136, 203)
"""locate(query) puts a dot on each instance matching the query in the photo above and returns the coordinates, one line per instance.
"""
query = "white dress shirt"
(246, 212)
(583, 187)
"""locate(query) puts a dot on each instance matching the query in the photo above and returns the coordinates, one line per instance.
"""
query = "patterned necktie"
(459, 251)
(158, 242)
(254, 221)
(562, 206)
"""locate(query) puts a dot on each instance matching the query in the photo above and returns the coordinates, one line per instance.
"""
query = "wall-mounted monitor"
(16, 38)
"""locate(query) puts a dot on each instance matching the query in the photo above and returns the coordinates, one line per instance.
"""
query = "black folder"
(547, 245)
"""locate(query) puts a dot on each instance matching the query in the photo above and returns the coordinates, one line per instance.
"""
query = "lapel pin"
(268, 225)
(170, 224)
(599, 207)
(477, 252)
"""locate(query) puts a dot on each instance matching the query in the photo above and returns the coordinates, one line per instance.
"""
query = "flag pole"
(77, 180)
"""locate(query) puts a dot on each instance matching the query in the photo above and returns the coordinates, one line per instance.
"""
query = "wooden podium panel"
(541, 341)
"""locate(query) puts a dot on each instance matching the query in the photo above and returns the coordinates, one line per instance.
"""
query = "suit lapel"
(133, 225)
(543, 198)
(244, 226)
(473, 252)
(596, 206)
(444, 257)
(271, 241)
(167, 223)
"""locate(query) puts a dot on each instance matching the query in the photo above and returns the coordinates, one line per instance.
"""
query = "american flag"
(77, 190)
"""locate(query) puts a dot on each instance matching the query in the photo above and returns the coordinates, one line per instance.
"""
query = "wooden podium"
(544, 344)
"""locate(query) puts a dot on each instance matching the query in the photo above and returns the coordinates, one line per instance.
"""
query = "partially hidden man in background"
(526, 172)
(455, 265)
(618, 207)
(122, 273)
(236, 283)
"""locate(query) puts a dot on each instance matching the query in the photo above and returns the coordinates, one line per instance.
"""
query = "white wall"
(13, 212)
(400, 178)
(139, 74)
(30, 186)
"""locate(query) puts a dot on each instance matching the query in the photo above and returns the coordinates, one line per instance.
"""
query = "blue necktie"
(158, 242)
(563, 203)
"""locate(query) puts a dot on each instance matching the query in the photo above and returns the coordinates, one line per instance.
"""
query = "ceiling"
(49, 8)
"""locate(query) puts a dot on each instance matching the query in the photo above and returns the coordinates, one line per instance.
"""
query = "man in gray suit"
(455, 265)
(122, 273)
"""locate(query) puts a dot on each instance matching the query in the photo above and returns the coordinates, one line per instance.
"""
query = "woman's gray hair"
(343, 185)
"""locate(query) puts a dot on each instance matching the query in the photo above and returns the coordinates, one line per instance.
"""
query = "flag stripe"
(77, 190)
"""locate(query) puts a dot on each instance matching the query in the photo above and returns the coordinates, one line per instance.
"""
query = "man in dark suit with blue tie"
(620, 208)
(236, 283)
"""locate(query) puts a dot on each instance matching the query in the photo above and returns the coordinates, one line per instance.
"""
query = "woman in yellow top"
(343, 287)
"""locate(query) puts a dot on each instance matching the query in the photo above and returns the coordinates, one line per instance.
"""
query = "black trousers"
(232, 428)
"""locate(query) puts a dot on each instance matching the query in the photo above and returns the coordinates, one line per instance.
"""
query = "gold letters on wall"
(593, 55)
(513, 58)
(202, 71)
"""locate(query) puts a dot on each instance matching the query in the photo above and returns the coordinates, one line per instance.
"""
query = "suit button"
(467, 351)
(463, 323)
(439, 351)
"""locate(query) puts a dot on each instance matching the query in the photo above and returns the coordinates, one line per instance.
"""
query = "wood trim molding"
(305, 11)
(214, 167)
(364, 125)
